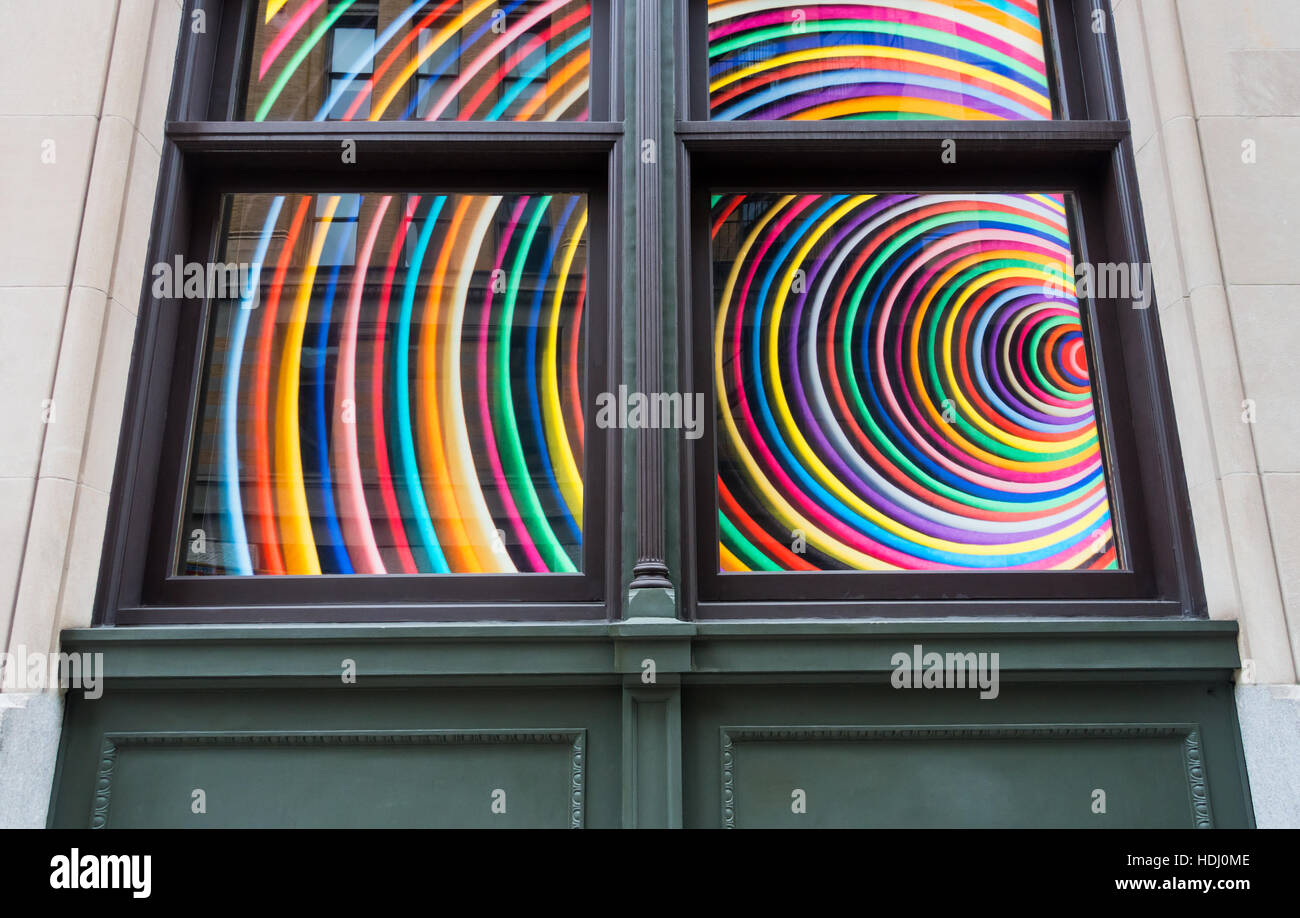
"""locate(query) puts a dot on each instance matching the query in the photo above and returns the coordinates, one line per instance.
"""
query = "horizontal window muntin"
(1101, 323)
(198, 332)
(883, 60)
(429, 60)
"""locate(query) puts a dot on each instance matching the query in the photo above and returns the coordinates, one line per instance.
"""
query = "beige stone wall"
(83, 94)
(1208, 82)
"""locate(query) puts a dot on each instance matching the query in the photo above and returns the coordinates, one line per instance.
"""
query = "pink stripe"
(285, 35)
(485, 410)
(491, 51)
(1025, 379)
(1004, 477)
(358, 534)
(883, 14)
(1102, 524)
(789, 487)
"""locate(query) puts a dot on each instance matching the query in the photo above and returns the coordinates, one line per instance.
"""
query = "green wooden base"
(653, 724)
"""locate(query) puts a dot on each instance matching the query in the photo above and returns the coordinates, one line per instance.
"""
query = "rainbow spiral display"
(531, 58)
(416, 411)
(892, 59)
(902, 383)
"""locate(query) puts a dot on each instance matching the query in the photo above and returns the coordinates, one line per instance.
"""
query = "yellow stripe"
(996, 25)
(933, 411)
(557, 438)
(730, 562)
(295, 517)
(811, 460)
(448, 516)
(904, 104)
(1035, 99)
(402, 80)
(480, 528)
(996, 432)
(777, 504)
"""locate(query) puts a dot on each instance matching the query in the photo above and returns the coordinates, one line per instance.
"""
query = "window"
(371, 423)
(524, 60)
(897, 389)
(965, 59)
(375, 400)
(927, 400)
(351, 67)
(411, 225)
(436, 75)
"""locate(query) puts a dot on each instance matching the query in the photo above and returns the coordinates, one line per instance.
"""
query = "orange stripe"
(441, 492)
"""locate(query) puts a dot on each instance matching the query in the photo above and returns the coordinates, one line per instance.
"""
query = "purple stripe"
(806, 100)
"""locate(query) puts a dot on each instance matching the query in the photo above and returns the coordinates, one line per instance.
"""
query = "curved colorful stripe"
(902, 384)
(369, 460)
(517, 467)
(469, 41)
(286, 34)
(471, 70)
(332, 531)
(296, 537)
(392, 514)
(406, 438)
(232, 511)
(832, 59)
(530, 58)
(570, 478)
(488, 395)
(366, 59)
(358, 532)
(260, 411)
(295, 61)
(541, 449)
(490, 555)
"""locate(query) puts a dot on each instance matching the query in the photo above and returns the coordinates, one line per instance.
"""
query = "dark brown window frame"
(1087, 154)
(1090, 157)
(206, 156)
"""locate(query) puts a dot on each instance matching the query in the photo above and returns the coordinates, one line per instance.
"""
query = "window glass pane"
(890, 59)
(351, 49)
(350, 98)
(902, 382)
(337, 216)
(415, 407)
(438, 71)
(395, 60)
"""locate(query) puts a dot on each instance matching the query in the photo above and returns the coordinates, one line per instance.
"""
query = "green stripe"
(294, 62)
(557, 559)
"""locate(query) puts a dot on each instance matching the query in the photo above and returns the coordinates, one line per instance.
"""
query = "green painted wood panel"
(963, 777)
(1165, 754)
(340, 757)
(381, 779)
(570, 724)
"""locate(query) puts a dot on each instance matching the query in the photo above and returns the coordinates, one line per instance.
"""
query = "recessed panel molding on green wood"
(885, 778)
(565, 800)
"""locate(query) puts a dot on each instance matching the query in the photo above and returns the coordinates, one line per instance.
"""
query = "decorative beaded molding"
(575, 738)
(1193, 766)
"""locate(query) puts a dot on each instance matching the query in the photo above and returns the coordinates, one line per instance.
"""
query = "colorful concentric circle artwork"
(902, 383)
(892, 59)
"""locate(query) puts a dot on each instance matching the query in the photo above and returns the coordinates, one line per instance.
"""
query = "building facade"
(650, 413)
